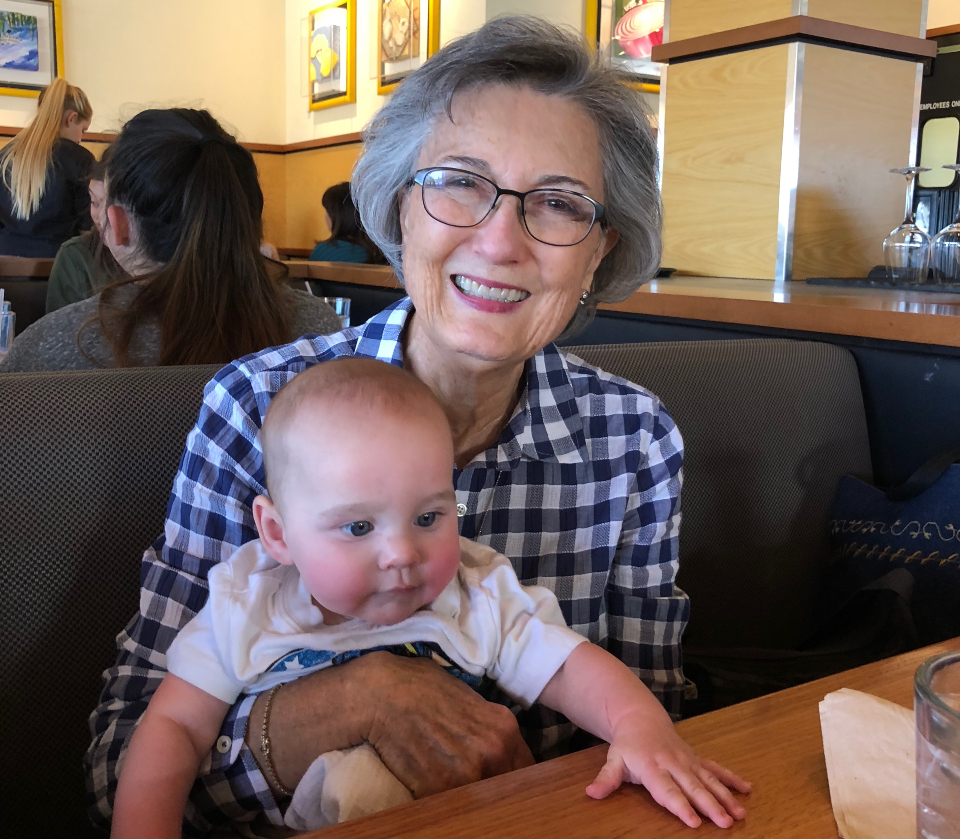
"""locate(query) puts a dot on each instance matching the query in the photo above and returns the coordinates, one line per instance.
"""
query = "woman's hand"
(431, 730)
(655, 756)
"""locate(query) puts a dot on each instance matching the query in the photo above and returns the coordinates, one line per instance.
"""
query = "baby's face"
(370, 515)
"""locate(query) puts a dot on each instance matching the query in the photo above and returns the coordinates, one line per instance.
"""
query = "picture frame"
(626, 32)
(404, 39)
(332, 55)
(31, 46)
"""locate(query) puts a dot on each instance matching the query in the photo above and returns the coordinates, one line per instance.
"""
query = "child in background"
(359, 552)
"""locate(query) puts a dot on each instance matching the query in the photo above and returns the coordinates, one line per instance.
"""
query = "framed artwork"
(627, 31)
(408, 33)
(31, 46)
(332, 54)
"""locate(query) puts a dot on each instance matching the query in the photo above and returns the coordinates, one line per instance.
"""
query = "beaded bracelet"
(265, 745)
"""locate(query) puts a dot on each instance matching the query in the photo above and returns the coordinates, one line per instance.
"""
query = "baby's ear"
(270, 529)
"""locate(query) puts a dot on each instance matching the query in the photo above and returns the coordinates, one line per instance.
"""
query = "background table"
(774, 742)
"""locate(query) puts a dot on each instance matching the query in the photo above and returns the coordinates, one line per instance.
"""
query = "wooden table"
(774, 742)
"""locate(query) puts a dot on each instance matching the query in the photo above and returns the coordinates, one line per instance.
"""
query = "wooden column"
(779, 121)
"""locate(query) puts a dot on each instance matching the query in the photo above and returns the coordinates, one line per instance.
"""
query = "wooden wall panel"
(292, 185)
(308, 175)
(95, 148)
(272, 169)
(691, 18)
(899, 16)
(855, 125)
(721, 175)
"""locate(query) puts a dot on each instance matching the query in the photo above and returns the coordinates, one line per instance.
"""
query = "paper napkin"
(870, 750)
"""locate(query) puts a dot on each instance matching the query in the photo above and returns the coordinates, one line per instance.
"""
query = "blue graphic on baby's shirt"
(306, 659)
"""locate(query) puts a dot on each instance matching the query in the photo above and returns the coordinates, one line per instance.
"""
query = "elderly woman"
(511, 184)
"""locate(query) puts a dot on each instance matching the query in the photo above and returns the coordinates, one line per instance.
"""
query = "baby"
(359, 551)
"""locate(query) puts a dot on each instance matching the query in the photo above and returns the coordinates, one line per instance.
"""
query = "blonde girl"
(43, 170)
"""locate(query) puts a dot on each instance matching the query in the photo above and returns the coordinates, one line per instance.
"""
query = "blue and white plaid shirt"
(582, 493)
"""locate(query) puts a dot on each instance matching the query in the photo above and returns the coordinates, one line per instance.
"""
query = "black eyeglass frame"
(599, 213)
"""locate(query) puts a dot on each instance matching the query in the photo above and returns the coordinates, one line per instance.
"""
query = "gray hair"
(529, 52)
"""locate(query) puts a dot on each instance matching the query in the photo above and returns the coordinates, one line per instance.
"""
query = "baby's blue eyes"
(357, 528)
(426, 519)
(362, 528)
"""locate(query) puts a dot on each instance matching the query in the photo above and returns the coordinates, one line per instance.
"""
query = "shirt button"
(223, 744)
(461, 510)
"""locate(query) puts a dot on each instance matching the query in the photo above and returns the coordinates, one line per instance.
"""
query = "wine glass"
(906, 250)
(946, 247)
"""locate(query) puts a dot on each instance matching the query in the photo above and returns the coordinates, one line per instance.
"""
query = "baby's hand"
(651, 754)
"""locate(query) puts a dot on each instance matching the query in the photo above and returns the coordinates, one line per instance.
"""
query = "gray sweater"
(51, 342)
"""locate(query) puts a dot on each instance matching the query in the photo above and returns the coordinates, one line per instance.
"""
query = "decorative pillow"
(871, 535)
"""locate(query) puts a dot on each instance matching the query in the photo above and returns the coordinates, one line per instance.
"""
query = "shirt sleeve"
(195, 654)
(84, 161)
(534, 639)
(647, 613)
(208, 516)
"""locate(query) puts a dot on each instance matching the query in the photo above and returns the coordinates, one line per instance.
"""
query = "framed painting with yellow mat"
(626, 31)
(31, 46)
(408, 33)
(333, 54)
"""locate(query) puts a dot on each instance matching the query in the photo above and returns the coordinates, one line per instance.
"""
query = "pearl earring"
(583, 298)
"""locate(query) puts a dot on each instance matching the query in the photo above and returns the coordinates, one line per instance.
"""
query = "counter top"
(886, 314)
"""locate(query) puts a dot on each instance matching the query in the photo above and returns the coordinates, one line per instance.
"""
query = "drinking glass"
(8, 320)
(341, 305)
(937, 708)
(946, 247)
(906, 250)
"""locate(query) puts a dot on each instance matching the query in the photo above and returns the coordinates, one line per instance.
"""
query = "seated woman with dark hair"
(182, 218)
(348, 240)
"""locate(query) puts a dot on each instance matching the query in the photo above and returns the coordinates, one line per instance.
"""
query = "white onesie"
(260, 628)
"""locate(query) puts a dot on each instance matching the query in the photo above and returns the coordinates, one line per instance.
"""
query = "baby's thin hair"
(344, 384)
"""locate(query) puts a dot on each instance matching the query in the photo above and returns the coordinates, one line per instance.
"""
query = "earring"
(583, 298)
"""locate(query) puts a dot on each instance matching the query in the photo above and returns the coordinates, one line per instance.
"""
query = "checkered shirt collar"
(546, 424)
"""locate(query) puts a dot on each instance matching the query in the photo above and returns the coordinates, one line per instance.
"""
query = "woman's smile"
(482, 293)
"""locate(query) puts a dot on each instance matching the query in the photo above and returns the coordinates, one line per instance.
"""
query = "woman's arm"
(431, 730)
(176, 733)
(643, 601)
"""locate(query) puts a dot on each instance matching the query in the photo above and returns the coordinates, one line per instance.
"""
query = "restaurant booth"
(781, 352)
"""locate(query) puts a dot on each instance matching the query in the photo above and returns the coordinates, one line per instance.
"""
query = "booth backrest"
(769, 426)
(87, 466)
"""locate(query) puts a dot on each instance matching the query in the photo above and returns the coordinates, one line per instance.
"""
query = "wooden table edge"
(799, 315)
(583, 764)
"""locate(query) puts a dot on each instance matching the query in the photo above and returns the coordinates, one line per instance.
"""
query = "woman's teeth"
(502, 295)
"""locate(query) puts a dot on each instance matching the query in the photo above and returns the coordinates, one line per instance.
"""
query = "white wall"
(225, 55)
(302, 123)
(563, 12)
(244, 60)
(460, 17)
(457, 17)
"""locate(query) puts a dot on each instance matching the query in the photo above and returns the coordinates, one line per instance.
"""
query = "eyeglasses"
(464, 199)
